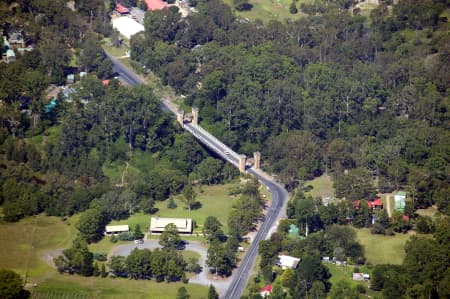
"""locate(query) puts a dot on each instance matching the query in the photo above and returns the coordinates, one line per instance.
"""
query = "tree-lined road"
(279, 194)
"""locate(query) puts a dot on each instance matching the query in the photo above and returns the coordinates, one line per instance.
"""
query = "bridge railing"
(202, 137)
(224, 146)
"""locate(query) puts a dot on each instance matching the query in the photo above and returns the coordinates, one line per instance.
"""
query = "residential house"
(266, 291)
(16, 38)
(122, 10)
(156, 4)
(286, 261)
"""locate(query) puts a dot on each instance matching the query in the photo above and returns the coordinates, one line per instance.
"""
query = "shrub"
(425, 225)
(377, 228)
(361, 289)
(128, 236)
(293, 9)
(389, 232)
(171, 204)
(100, 256)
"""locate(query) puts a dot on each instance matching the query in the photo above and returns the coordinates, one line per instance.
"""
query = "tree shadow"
(196, 205)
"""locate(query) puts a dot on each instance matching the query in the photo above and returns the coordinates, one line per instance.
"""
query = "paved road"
(277, 208)
(279, 194)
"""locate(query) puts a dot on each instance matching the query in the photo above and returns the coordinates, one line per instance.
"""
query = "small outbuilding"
(158, 224)
(399, 200)
(70, 79)
(116, 229)
(286, 261)
(361, 276)
(10, 56)
(293, 231)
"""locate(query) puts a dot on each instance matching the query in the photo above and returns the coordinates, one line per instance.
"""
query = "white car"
(139, 241)
(226, 152)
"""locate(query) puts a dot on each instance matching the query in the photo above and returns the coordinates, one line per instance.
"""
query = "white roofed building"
(116, 229)
(127, 26)
(158, 224)
(286, 261)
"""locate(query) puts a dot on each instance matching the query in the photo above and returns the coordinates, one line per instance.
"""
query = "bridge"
(279, 194)
(214, 144)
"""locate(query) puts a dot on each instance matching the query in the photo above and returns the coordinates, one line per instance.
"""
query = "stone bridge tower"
(257, 160)
(180, 117)
(242, 160)
(195, 115)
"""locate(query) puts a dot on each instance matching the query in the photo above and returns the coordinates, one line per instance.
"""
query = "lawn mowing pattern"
(57, 294)
(24, 242)
(120, 288)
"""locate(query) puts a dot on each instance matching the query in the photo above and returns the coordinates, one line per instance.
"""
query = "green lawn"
(346, 273)
(116, 52)
(187, 254)
(430, 212)
(23, 243)
(381, 249)
(322, 187)
(138, 218)
(267, 10)
(65, 286)
(214, 200)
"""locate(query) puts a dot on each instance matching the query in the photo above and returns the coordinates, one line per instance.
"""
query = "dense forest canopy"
(333, 92)
(330, 92)
(361, 97)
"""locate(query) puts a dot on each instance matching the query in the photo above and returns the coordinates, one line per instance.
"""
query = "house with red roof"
(266, 291)
(376, 204)
(122, 9)
(156, 4)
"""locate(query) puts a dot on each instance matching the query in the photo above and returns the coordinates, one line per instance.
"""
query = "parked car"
(139, 241)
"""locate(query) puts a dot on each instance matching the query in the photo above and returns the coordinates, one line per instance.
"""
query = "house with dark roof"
(16, 37)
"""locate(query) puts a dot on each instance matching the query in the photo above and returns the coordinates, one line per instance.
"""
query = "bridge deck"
(213, 143)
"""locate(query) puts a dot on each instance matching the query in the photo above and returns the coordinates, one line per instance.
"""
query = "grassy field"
(267, 10)
(23, 243)
(430, 212)
(381, 249)
(26, 244)
(322, 187)
(345, 273)
(214, 201)
(76, 287)
(116, 52)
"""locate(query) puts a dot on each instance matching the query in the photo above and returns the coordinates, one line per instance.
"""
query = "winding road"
(279, 194)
